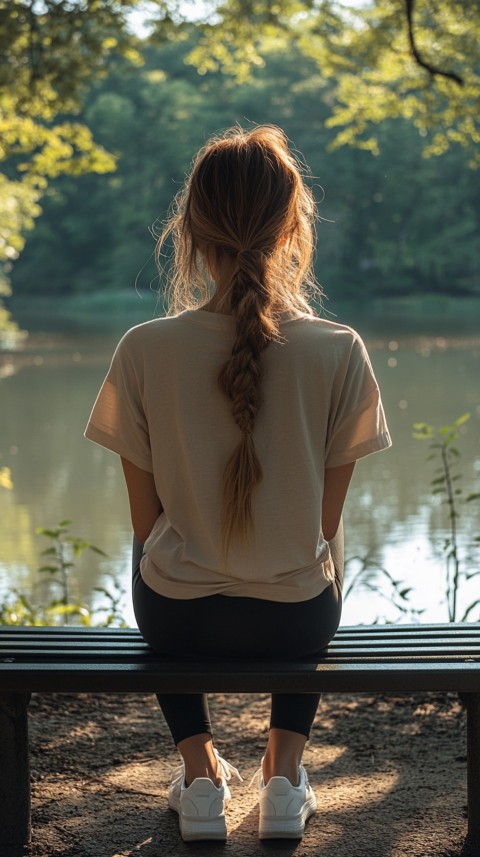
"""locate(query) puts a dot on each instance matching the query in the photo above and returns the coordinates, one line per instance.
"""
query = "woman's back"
(165, 376)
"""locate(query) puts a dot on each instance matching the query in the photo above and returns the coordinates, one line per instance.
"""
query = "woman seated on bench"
(238, 420)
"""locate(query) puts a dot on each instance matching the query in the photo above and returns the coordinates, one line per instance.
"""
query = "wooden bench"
(361, 659)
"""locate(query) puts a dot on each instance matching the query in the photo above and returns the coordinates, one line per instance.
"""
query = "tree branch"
(433, 70)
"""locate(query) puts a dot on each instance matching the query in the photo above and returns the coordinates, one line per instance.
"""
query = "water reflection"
(46, 395)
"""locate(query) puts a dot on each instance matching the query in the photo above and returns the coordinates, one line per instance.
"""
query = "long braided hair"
(245, 210)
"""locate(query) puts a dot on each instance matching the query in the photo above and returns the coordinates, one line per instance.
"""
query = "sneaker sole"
(197, 829)
(287, 828)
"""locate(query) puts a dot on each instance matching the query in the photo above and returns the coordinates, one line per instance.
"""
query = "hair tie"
(247, 256)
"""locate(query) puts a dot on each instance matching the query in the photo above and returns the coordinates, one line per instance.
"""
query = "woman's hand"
(145, 506)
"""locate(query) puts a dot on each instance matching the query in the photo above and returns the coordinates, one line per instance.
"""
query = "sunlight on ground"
(148, 777)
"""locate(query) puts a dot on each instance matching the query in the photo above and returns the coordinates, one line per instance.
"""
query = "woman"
(239, 420)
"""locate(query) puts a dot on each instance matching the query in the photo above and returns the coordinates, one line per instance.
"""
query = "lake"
(428, 370)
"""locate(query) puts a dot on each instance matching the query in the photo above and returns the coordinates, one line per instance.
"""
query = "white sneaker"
(201, 805)
(284, 809)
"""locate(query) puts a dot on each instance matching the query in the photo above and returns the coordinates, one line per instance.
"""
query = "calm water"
(391, 518)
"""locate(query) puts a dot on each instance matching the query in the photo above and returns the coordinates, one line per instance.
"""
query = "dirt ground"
(389, 774)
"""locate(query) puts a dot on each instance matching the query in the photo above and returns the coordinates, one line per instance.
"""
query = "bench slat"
(446, 649)
(363, 634)
(247, 677)
(26, 633)
(343, 632)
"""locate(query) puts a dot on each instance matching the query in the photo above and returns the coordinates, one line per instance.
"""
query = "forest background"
(100, 118)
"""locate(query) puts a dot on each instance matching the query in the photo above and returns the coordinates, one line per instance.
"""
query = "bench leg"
(472, 704)
(14, 773)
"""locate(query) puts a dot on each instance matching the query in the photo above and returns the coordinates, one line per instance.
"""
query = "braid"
(241, 380)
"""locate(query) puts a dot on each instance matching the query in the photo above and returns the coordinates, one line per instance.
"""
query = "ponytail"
(246, 209)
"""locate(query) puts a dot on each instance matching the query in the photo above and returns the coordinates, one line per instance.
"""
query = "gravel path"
(389, 773)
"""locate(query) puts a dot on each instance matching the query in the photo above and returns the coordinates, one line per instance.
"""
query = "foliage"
(446, 484)
(386, 227)
(365, 51)
(361, 74)
(65, 607)
(50, 51)
(396, 593)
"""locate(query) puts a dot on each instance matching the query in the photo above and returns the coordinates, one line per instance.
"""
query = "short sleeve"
(357, 424)
(118, 421)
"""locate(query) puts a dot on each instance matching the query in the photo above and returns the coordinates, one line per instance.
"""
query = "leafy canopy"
(52, 49)
(371, 53)
(392, 225)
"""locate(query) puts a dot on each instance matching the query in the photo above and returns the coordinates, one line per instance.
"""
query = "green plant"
(62, 553)
(446, 484)
(21, 609)
(397, 593)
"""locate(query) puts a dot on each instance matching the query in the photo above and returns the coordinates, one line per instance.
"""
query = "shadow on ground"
(389, 774)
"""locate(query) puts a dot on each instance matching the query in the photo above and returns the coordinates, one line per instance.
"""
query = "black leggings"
(224, 626)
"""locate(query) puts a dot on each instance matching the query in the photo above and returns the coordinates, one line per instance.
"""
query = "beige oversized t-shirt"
(161, 408)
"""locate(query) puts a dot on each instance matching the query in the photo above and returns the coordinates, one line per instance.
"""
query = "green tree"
(343, 73)
(385, 58)
(386, 227)
(51, 49)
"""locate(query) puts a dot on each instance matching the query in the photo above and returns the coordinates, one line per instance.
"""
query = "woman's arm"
(145, 506)
(337, 480)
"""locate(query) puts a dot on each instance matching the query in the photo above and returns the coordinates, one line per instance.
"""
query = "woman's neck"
(217, 302)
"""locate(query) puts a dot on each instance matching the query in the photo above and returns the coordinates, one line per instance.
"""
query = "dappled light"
(376, 782)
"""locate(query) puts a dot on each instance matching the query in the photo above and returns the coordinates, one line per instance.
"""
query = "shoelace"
(227, 771)
(258, 775)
